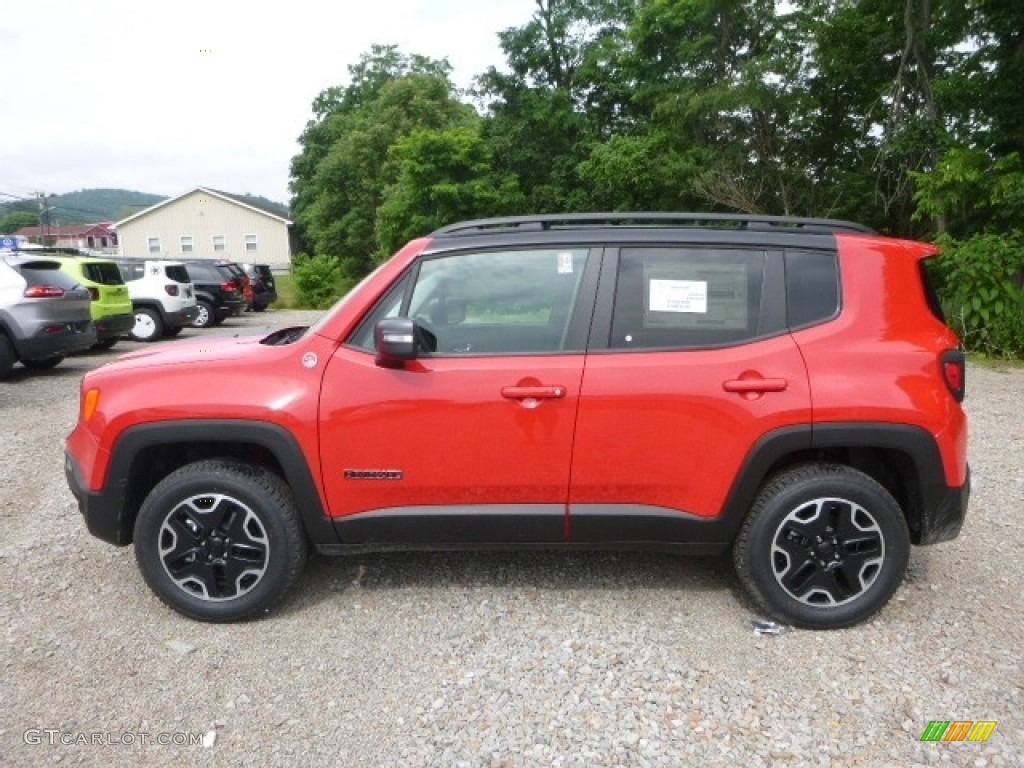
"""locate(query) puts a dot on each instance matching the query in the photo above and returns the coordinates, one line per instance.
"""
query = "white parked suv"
(163, 298)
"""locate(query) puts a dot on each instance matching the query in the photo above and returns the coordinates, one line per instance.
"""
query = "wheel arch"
(903, 459)
(147, 453)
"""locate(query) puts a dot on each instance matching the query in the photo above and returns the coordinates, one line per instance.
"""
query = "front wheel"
(220, 540)
(823, 547)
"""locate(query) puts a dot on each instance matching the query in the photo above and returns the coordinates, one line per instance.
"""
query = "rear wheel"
(206, 316)
(148, 325)
(220, 540)
(823, 547)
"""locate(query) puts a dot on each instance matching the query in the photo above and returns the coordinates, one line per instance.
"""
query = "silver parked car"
(44, 313)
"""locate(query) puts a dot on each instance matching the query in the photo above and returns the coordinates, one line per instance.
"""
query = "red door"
(689, 367)
(472, 432)
(472, 440)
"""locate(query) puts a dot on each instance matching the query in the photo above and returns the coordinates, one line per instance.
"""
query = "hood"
(210, 347)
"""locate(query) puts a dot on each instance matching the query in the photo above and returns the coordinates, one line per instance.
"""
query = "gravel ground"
(520, 659)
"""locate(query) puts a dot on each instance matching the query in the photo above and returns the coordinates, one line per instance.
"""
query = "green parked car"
(111, 304)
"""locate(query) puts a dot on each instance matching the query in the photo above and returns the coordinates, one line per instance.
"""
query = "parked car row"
(55, 301)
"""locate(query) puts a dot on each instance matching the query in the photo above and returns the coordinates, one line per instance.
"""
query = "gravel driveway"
(484, 659)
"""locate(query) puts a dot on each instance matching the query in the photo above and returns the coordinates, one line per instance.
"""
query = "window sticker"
(679, 296)
(565, 263)
(695, 296)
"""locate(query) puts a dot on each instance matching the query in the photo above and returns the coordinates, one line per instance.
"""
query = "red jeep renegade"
(691, 383)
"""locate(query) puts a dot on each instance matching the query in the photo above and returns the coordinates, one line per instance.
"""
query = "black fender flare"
(110, 514)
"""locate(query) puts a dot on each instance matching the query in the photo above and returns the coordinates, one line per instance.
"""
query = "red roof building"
(98, 237)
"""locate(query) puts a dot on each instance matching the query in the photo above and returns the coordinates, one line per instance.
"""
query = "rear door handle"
(533, 393)
(744, 386)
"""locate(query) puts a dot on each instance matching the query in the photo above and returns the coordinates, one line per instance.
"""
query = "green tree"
(12, 222)
(444, 176)
(342, 145)
(559, 95)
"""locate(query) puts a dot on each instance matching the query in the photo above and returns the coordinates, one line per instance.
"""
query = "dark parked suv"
(218, 289)
(264, 291)
(782, 389)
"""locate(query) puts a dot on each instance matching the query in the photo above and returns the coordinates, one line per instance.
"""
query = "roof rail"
(740, 221)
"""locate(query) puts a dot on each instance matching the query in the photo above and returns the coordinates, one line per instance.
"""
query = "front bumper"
(103, 511)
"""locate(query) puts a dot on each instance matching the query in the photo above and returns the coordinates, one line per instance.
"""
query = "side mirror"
(394, 338)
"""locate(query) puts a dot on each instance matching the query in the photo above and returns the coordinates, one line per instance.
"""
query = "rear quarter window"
(812, 287)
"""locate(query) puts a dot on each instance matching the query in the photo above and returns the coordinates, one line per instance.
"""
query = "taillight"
(172, 290)
(229, 286)
(954, 372)
(44, 292)
(94, 294)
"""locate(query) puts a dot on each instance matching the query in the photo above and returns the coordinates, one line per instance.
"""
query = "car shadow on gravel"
(326, 577)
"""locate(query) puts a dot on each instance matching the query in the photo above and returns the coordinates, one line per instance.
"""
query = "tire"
(105, 343)
(259, 307)
(824, 547)
(148, 325)
(206, 316)
(220, 540)
(44, 363)
(7, 357)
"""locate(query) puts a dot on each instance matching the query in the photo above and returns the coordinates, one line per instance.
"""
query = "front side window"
(154, 244)
(686, 298)
(509, 302)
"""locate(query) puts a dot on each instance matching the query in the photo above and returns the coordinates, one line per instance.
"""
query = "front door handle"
(754, 386)
(533, 393)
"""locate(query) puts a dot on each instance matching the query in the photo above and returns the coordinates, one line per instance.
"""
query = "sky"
(164, 97)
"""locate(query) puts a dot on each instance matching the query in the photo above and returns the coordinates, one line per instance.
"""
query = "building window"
(186, 244)
(218, 243)
(251, 242)
(154, 245)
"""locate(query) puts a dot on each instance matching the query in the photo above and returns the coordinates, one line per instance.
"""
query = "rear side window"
(686, 297)
(103, 273)
(130, 272)
(812, 287)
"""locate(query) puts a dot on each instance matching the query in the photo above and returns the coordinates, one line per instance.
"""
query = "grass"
(287, 295)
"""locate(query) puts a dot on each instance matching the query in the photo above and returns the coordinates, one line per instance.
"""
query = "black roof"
(728, 221)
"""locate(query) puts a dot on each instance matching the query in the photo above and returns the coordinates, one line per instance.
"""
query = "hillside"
(88, 205)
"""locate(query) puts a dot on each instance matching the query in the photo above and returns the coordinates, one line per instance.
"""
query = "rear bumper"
(182, 317)
(943, 520)
(113, 326)
(74, 337)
